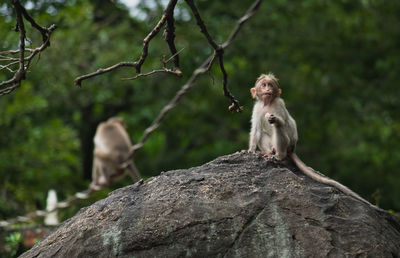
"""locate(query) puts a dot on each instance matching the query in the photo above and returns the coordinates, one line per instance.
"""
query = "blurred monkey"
(274, 131)
(111, 154)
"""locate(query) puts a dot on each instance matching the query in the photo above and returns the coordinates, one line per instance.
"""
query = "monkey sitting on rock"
(274, 131)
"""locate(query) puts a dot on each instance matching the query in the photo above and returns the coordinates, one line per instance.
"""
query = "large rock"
(235, 206)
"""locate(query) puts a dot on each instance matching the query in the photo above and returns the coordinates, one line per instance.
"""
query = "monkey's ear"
(253, 92)
(122, 122)
(279, 92)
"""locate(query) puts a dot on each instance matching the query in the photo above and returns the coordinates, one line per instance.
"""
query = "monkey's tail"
(326, 180)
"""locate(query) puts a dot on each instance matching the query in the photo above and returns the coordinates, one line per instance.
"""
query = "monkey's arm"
(253, 139)
(95, 177)
(255, 129)
(105, 156)
(255, 134)
(275, 119)
(99, 179)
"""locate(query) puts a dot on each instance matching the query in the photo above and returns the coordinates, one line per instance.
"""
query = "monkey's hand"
(252, 149)
(270, 157)
(249, 151)
(271, 118)
(96, 187)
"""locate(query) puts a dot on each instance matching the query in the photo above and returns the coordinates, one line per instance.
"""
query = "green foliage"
(13, 245)
(337, 62)
(33, 143)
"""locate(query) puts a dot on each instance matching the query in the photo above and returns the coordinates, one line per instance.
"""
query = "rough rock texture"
(235, 206)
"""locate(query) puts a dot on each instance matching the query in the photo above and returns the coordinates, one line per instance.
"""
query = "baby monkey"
(274, 131)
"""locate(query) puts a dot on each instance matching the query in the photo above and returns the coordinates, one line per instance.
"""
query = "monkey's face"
(266, 89)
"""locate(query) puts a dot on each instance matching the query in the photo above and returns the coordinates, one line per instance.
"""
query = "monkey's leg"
(265, 145)
(134, 171)
(280, 142)
(97, 176)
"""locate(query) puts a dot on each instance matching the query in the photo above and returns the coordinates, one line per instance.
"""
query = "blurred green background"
(338, 63)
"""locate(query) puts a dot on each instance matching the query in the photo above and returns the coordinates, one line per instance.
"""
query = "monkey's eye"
(270, 84)
(264, 85)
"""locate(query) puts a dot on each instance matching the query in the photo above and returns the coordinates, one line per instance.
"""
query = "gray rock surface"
(238, 205)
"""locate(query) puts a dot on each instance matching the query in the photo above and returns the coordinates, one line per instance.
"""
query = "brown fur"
(112, 147)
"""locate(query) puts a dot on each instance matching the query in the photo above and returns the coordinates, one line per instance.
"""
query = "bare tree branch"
(147, 40)
(43, 30)
(166, 17)
(24, 62)
(164, 70)
(206, 65)
(78, 81)
(253, 8)
(201, 24)
(218, 52)
(176, 72)
(19, 75)
(130, 64)
(169, 34)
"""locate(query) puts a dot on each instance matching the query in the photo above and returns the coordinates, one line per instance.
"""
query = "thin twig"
(174, 56)
(10, 52)
(164, 70)
(7, 67)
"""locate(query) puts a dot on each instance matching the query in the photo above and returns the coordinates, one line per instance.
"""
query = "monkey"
(274, 131)
(111, 153)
